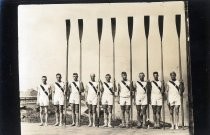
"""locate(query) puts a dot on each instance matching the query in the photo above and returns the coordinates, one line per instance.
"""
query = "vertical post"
(130, 32)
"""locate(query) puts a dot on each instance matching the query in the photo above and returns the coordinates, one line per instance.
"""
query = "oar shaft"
(131, 87)
(80, 73)
(114, 83)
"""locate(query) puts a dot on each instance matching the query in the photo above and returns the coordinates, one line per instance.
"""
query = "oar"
(80, 26)
(130, 32)
(68, 26)
(146, 28)
(160, 24)
(113, 25)
(100, 25)
(178, 29)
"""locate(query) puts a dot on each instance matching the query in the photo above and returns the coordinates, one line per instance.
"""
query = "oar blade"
(178, 24)
(80, 25)
(68, 26)
(160, 24)
(113, 25)
(146, 25)
(100, 26)
(130, 27)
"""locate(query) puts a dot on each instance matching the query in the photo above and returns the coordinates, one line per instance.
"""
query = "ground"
(35, 129)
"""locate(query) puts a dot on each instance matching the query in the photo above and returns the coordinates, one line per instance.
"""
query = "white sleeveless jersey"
(106, 89)
(124, 91)
(91, 91)
(173, 93)
(58, 91)
(155, 90)
(74, 90)
(41, 92)
(140, 92)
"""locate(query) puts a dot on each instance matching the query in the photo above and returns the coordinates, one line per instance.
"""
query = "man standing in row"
(59, 97)
(43, 93)
(75, 88)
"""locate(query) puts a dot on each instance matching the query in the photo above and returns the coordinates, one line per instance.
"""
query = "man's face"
(58, 77)
(75, 77)
(108, 77)
(92, 77)
(156, 76)
(141, 77)
(44, 80)
(173, 76)
(124, 76)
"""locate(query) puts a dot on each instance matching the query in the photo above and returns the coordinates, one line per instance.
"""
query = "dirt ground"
(35, 129)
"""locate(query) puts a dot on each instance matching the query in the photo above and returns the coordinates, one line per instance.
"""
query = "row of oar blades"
(130, 27)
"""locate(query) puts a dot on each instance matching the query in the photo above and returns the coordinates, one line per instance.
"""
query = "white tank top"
(91, 91)
(41, 92)
(58, 91)
(140, 92)
(172, 90)
(106, 89)
(155, 90)
(74, 90)
(124, 91)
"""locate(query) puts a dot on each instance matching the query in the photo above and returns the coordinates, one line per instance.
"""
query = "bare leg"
(127, 115)
(138, 109)
(90, 113)
(110, 115)
(123, 115)
(158, 115)
(105, 115)
(177, 116)
(61, 114)
(77, 114)
(154, 108)
(56, 115)
(46, 115)
(73, 114)
(41, 116)
(94, 115)
(172, 116)
(144, 110)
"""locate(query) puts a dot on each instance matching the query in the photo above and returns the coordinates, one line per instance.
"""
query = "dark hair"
(108, 75)
(173, 73)
(155, 72)
(141, 73)
(75, 74)
(58, 74)
(123, 73)
(44, 76)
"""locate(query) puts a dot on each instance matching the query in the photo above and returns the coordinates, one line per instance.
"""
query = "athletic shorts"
(107, 100)
(125, 101)
(74, 99)
(92, 101)
(141, 100)
(175, 102)
(44, 101)
(156, 101)
(58, 100)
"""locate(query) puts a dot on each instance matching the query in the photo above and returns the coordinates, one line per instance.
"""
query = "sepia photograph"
(105, 68)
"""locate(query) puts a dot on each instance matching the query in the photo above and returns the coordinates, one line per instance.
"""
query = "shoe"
(176, 127)
(73, 124)
(109, 125)
(56, 124)
(122, 125)
(45, 124)
(94, 125)
(41, 124)
(172, 127)
(144, 126)
(105, 125)
(60, 125)
(89, 125)
(77, 125)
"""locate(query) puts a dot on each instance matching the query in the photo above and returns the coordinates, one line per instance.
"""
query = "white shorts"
(107, 100)
(44, 101)
(74, 99)
(156, 101)
(58, 100)
(93, 101)
(175, 102)
(125, 101)
(141, 100)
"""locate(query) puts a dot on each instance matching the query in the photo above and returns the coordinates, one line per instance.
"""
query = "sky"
(42, 41)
